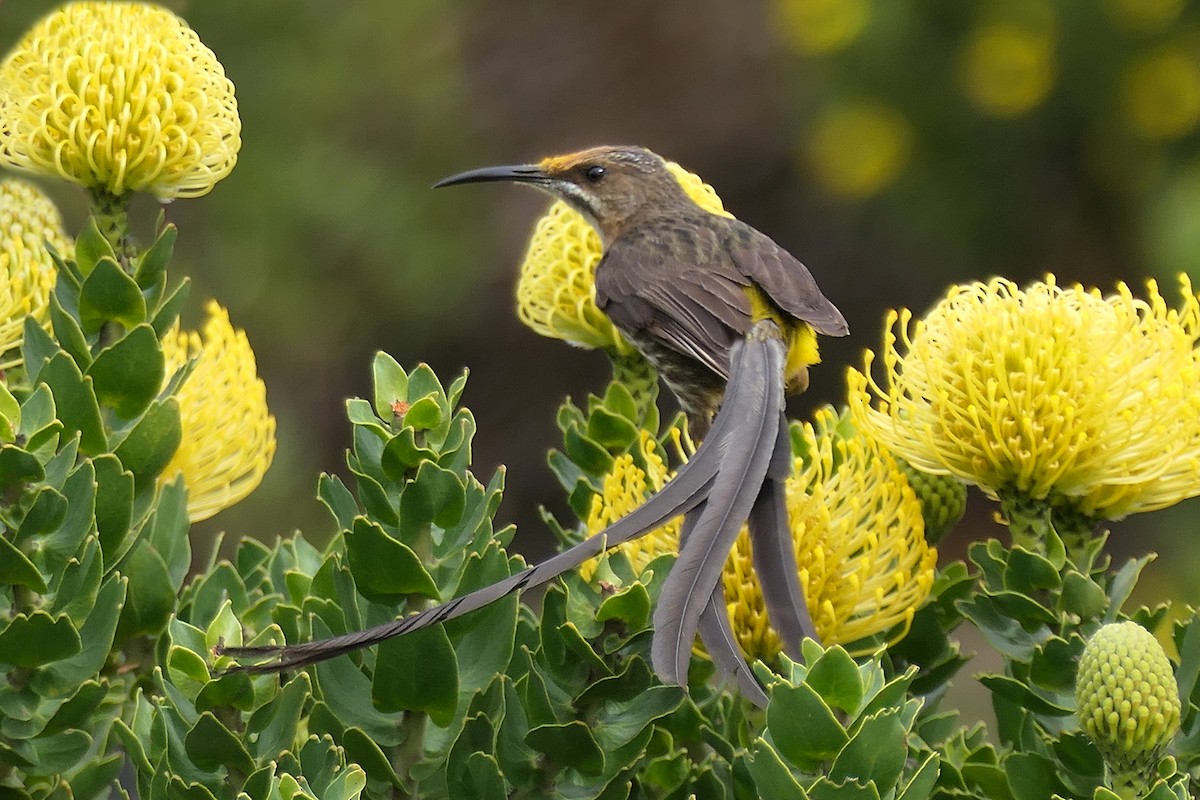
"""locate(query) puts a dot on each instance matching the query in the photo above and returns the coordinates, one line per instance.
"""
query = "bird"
(729, 319)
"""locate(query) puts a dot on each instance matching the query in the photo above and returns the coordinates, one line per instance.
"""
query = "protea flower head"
(29, 221)
(118, 97)
(228, 432)
(1059, 395)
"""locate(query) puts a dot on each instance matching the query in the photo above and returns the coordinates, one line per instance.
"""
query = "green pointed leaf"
(802, 727)
(836, 679)
(570, 743)
(36, 639)
(271, 730)
(347, 692)
(151, 597)
(75, 402)
(97, 777)
(168, 530)
(337, 498)
(402, 453)
(152, 264)
(611, 430)
(18, 466)
(90, 247)
(630, 605)
(210, 746)
(149, 447)
(36, 348)
(97, 637)
(62, 751)
(168, 310)
(77, 711)
(368, 755)
(187, 670)
(478, 778)
(114, 504)
(10, 410)
(78, 520)
(1023, 696)
(110, 295)
(129, 373)
(1033, 777)
(17, 570)
(771, 776)
(436, 495)
(920, 786)
(417, 672)
(1122, 585)
(390, 384)
(425, 414)
(75, 592)
(67, 331)
(876, 753)
(385, 569)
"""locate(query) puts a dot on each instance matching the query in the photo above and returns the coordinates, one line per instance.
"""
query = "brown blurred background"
(894, 145)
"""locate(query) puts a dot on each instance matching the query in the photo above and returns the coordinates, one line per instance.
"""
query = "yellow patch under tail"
(802, 348)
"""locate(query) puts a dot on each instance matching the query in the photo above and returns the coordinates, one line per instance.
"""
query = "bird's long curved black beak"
(519, 173)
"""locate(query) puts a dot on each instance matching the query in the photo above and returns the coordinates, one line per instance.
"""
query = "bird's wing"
(699, 310)
(785, 280)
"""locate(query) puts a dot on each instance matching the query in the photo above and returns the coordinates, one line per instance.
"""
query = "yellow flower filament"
(228, 432)
(1055, 393)
(858, 532)
(120, 97)
(28, 221)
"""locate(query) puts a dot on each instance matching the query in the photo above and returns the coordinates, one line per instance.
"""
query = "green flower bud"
(1127, 700)
(943, 500)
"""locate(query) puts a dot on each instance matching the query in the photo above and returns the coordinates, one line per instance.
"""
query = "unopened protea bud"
(943, 499)
(1127, 700)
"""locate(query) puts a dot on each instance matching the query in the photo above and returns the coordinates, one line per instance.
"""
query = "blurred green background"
(893, 145)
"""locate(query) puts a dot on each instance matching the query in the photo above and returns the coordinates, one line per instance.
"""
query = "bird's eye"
(595, 174)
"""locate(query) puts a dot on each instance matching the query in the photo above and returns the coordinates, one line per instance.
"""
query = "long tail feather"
(774, 553)
(754, 400)
(716, 631)
(685, 491)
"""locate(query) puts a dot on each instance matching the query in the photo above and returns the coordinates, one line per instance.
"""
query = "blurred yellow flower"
(29, 221)
(556, 288)
(1056, 395)
(821, 27)
(858, 149)
(1145, 15)
(228, 432)
(858, 531)
(118, 97)
(1007, 68)
(1160, 94)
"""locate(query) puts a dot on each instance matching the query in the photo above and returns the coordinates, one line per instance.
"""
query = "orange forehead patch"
(560, 163)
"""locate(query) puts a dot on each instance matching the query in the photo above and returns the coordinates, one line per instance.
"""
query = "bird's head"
(609, 185)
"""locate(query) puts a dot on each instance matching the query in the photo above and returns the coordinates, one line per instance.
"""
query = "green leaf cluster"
(93, 551)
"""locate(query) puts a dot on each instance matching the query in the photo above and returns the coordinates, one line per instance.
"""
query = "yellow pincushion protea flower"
(857, 527)
(118, 97)
(1055, 394)
(228, 432)
(28, 222)
(556, 288)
